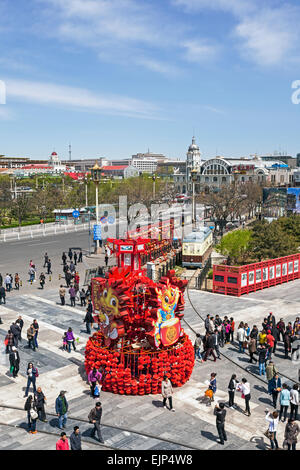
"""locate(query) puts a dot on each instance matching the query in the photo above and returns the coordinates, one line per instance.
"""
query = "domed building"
(193, 162)
(55, 163)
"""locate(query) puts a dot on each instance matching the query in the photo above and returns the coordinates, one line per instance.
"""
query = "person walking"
(68, 278)
(273, 421)
(14, 361)
(291, 433)
(72, 268)
(49, 264)
(167, 392)
(37, 328)
(2, 295)
(30, 337)
(262, 353)
(46, 258)
(213, 385)
(32, 374)
(80, 257)
(40, 401)
(64, 258)
(61, 408)
(42, 280)
(62, 295)
(252, 349)
(220, 414)
(106, 259)
(94, 376)
(95, 418)
(72, 292)
(216, 337)
(70, 254)
(197, 346)
(275, 388)
(82, 298)
(284, 400)
(9, 341)
(30, 407)
(20, 322)
(281, 328)
(75, 439)
(232, 327)
(241, 337)
(231, 390)
(209, 347)
(62, 443)
(294, 401)
(270, 373)
(270, 343)
(287, 343)
(70, 339)
(17, 281)
(88, 320)
(75, 258)
(244, 387)
(7, 282)
(16, 331)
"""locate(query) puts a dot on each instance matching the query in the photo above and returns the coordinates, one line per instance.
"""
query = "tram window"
(232, 280)
(219, 278)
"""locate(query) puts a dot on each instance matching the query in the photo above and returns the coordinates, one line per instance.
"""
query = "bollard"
(50, 278)
(31, 282)
(21, 283)
(59, 277)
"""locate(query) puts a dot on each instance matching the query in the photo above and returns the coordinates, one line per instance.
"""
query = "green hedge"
(28, 222)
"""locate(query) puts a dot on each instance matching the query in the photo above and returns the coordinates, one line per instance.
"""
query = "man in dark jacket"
(216, 337)
(210, 345)
(88, 320)
(61, 408)
(14, 361)
(287, 344)
(95, 418)
(20, 322)
(16, 331)
(281, 328)
(75, 439)
(2, 295)
(68, 277)
(220, 414)
(40, 404)
(275, 386)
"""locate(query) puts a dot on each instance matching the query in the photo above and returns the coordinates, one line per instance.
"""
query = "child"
(97, 390)
(65, 343)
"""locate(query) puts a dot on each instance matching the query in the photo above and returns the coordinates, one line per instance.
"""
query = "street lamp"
(194, 180)
(96, 177)
(86, 180)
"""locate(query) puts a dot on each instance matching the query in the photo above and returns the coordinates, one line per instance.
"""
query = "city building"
(119, 171)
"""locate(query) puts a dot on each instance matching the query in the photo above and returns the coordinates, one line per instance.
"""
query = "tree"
(270, 241)
(235, 245)
(20, 207)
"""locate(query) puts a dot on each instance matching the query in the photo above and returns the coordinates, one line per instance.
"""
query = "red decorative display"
(238, 280)
(140, 337)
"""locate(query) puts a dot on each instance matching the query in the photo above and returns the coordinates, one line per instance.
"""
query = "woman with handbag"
(30, 407)
(273, 420)
(290, 434)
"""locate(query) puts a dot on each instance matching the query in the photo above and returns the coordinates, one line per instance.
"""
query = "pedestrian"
(2, 295)
(220, 414)
(275, 388)
(9, 341)
(287, 343)
(88, 320)
(232, 326)
(262, 337)
(7, 282)
(241, 337)
(209, 347)
(72, 267)
(262, 357)
(1, 279)
(97, 390)
(30, 336)
(70, 254)
(75, 439)
(62, 443)
(68, 278)
(17, 281)
(247, 330)
(61, 408)
(30, 407)
(49, 264)
(281, 329)
(252, 349)
(294, 401)
(40, 400)
(93, 377)
(244, 387)
(270, 373)
(271, 319)
(72, 292)
(95, 418)
(20, 322)
(216, 337)
(207, 323)
(106, 259)
(46, 258)
(75, 258)
(32, 374)
(231, 390)
(213, 385)
(197, 346)
(270, 343)
(62, 295)
(70, 339)
(14, 361)
(64, 258)
(16, 331)
(42, 280)
(273, 421)
(167, 392)
(82, 298)
(284, 401)
(291, 433)
(76, 281)
(80, 257)
(65, 342)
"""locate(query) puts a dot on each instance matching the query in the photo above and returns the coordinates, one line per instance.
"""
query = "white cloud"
(78, 98)
(236, 7)
(198, 51)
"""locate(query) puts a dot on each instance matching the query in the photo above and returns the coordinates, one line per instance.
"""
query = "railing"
(49, 229)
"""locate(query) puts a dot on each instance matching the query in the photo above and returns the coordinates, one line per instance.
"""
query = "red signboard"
(238, 280)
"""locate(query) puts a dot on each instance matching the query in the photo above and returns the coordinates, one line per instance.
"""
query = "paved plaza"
(139, 422)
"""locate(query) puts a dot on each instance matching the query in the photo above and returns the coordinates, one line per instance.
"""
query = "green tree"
(271, 241)
(235, 245)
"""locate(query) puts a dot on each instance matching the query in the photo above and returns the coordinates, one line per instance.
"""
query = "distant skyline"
(116, 77)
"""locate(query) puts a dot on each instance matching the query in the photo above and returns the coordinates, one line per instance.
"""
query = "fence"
(238, 280)
(39, 230)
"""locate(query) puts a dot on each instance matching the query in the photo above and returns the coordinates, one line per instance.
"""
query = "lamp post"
(86, 191)
(194, 179)
(96, 177)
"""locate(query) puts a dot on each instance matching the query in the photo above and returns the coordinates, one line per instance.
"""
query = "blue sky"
(116, 77)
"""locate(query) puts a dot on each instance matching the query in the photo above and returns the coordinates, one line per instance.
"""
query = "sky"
(118, 77)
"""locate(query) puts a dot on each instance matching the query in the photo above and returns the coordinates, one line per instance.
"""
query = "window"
(219, 278)
(223, 179)
(232, 280)
(215, 179)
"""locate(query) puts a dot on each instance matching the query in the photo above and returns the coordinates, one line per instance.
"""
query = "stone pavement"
(193, 424)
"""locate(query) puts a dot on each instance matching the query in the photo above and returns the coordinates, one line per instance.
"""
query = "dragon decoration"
(139, 337)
